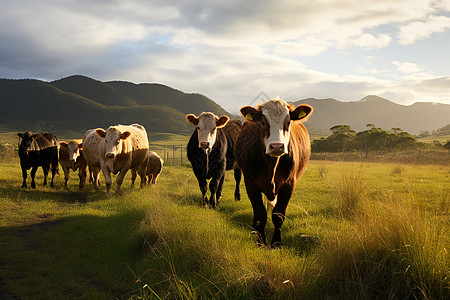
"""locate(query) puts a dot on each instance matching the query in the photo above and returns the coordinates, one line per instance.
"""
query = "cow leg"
(142, 173)
(203, 184)
(66, 175)
(119, 180)
(82, 175)
(33, 174)
(45, 169)
(279, 213)
(237, 178)
(94, 174)
(108, 181)
(219, 188)
(259, 213)
(54, 167)
(24, 177)
(214, 189)
(133, 177)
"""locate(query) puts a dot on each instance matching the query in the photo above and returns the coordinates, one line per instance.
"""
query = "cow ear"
(192, 119)
(301, 112)
(20, 134)
(125, 135)
(250, 113)
(222, 121)
(101, 133)
(63, 144)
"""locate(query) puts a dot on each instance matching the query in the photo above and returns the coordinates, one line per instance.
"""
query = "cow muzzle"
(276, 149)
(109, 155)
(204, 145)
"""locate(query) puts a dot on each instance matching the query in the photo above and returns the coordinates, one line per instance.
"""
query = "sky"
(232, 51)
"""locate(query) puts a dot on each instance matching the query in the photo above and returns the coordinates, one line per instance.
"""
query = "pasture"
(352, 230)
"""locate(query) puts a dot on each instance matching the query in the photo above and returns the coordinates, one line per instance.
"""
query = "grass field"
(353, 231)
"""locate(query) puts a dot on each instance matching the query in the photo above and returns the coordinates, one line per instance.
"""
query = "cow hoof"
(276, 245)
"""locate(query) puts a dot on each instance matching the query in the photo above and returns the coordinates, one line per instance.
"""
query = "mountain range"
(378, 111)
(78, 103)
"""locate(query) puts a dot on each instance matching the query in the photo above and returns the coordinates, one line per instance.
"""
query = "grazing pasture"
(358, 230)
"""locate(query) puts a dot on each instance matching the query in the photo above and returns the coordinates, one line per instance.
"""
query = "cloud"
(407, 67)
(227, 50)
(418, 30)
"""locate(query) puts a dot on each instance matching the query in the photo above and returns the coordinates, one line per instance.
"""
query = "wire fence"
(173, 155)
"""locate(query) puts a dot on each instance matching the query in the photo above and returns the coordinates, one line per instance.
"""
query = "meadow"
(353, 231)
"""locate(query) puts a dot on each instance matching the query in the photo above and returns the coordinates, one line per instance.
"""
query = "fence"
(173, 155)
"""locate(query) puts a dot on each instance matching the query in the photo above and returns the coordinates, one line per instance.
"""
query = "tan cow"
(123, 147)
(91, 153)
(71, 157)
(154, 167)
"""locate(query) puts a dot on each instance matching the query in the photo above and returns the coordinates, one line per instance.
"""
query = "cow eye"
(286, 126)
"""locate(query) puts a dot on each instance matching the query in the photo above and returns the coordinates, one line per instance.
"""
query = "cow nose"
(204, 145)
(109, 155)
(276, 149)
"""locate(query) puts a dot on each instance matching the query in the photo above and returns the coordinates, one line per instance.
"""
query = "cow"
(71, 157)
(39, 149)
(91, 153)
(153, 169)
(211, 152)
(123, 147)
(272, 150)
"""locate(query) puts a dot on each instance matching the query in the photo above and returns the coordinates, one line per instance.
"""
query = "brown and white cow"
(272, 151)
(123, 147)
(71, 157)
(91, 153)
(154, 168)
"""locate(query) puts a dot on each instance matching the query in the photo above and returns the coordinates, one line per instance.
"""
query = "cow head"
(26, 142)
(73, 148)
(207, 124)
(114, 140)
(275, 117)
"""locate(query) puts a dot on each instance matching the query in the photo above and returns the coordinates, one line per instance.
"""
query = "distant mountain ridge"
(378, 111)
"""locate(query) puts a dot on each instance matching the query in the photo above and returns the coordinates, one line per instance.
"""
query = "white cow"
(91, 153)
(123, 147)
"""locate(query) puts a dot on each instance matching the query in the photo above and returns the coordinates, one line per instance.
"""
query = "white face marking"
(206, 131)
(74, 152)
(113, 143)
(277, 115)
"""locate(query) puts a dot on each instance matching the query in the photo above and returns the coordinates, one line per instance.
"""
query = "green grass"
(372, 231)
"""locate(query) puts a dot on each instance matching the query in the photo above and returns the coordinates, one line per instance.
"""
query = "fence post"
(173, 155)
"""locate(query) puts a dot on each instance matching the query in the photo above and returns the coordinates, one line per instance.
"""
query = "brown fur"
(275, 177)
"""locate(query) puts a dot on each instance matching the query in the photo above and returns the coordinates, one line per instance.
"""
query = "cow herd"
(271, 149)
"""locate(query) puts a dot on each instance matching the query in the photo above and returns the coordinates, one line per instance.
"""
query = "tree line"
(345, 139)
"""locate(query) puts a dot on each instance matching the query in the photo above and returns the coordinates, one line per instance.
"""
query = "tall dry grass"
(393, 252)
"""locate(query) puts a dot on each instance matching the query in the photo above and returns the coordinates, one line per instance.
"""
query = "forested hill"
(379, 112)
(78, 103)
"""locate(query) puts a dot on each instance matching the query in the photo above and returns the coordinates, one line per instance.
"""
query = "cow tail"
(54, 164)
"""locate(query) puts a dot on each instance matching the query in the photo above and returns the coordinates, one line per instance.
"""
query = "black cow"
(39, 149)
(211, 152)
